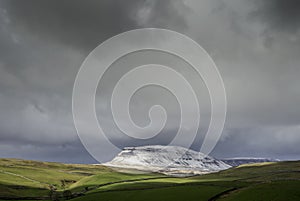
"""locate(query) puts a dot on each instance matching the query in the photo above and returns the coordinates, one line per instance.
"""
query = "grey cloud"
(265, 141)
(162, 14)
(66, 152)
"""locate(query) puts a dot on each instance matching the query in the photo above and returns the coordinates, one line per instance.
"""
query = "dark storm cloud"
(37, 32)
(279, 15)
(71, 22)
(42, 45)
(280, 19)
(86, 24)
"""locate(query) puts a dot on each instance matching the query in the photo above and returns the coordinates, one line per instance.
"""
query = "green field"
(32, 180)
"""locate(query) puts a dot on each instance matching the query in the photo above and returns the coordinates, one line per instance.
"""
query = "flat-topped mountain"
(166, 159)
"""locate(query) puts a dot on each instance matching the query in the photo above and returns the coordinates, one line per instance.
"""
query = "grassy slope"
(275, 191)
(23, 178)
(189, 193)
(267, 181)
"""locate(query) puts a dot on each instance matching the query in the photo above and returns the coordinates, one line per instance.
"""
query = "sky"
(254, 43)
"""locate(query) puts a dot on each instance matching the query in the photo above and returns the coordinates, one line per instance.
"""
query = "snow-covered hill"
(246, 160)
(166, 159)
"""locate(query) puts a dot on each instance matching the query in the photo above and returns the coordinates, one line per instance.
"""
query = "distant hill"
(173, 160)
(246, 160)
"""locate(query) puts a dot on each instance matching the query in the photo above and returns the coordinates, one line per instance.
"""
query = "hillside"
(32, 180)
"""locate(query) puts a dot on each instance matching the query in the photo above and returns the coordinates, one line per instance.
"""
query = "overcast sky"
(255, 44)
